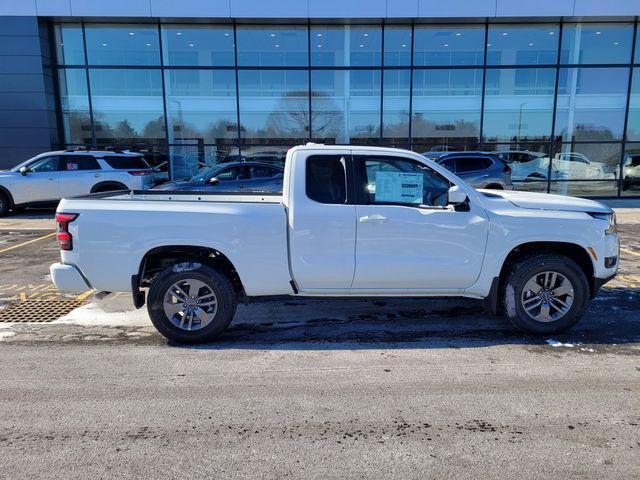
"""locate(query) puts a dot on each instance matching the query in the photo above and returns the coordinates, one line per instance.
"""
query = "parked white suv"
(46, 178)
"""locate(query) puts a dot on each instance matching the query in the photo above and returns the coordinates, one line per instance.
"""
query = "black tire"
(4, 204)
(218, 283)
(114, 187)
(520, 273)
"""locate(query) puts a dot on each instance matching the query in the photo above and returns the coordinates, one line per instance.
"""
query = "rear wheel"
(4, 204)
(111, 187)
(545, 294)
(191, 303)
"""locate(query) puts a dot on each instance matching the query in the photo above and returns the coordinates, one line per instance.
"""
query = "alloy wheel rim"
(190, 304)
(547, 296)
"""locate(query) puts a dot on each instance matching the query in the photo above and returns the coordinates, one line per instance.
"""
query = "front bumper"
(68, 277)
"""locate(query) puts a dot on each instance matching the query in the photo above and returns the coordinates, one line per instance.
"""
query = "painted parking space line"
(85, 295)
(630, 252)
(28, 242)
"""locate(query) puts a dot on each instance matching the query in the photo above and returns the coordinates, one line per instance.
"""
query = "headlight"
(612, 226)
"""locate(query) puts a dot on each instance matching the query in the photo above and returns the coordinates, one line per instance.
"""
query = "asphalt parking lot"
(311, 388)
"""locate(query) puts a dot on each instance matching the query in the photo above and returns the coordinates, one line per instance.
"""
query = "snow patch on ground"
(93, 314)
(6, 332)
(556, 343)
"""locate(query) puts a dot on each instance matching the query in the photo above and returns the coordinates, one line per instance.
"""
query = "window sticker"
(72, 166)
(399, 187)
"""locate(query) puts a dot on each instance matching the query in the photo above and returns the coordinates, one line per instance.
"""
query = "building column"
(28, 124)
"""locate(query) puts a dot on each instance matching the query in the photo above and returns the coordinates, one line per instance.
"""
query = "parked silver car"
(478, 169)
(46, 178)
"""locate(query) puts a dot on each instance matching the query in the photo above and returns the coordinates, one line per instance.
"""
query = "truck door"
(321, 222)
(407, 239)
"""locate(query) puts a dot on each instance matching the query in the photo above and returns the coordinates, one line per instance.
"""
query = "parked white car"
(351, 222)
(46, 178)
(573, 165)
(631, 171)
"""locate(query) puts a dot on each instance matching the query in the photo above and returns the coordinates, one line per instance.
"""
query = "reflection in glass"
(395, 109)
(197, 45)
(589, 161)
(529, 163)
(333, 46)
(268, 153)
(127, 106)
(591, 103)
(463, 45)
(187, 160)
(633, 125)
(274, 106)
(272, 46)
(345, 106)
(75, 106)
(201, 106)
(122, 45)
(522, 44)
(446, 106)
(631, 170)
(518, 104)
(397, 46)
(69, 44)
(596, 43)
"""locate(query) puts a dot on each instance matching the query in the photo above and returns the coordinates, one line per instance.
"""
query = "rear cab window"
(326, 179)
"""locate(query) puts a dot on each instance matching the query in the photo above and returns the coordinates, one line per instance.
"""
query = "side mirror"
(214, 181)
(24, 170)
(456, 196)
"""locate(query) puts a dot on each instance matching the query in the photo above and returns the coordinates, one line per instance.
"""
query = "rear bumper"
(68, 277)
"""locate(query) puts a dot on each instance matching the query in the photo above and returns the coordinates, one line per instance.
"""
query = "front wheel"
(191, 303)
(545, 294)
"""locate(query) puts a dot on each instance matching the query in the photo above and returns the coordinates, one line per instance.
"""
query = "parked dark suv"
(478, 169)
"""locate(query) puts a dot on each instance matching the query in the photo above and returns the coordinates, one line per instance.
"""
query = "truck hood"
(548, 201)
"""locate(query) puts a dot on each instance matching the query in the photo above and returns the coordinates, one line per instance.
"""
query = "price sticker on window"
(399, 187)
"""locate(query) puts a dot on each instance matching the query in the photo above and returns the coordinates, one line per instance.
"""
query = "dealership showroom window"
(198, 94)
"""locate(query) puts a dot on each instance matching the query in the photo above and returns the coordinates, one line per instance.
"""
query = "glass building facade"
(566, 95)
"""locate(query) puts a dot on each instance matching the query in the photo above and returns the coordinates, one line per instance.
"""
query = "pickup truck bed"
(250, 229)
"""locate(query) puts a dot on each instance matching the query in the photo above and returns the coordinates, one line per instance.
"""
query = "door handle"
(96, 175)
(375, 218)
(486, 175)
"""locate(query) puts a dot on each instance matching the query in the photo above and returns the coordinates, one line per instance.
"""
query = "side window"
(46, 164)
(326, 180)
(72, 163)
(393, 180)
(450, 164)
(261, 171)
(472, 164)
(231, 174)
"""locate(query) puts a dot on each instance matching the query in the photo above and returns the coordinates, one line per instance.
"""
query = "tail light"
(139, 173)
(65, 240)
(507, 169)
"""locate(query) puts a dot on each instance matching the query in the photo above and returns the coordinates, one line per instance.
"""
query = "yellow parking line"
(13, 247)
(84, 295)
(630, 252)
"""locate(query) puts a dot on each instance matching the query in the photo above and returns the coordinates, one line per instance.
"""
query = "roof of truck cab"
(320, 146)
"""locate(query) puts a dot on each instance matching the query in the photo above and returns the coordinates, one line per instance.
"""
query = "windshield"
(23, 164)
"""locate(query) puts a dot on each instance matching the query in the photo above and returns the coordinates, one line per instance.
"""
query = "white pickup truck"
(351, 222)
